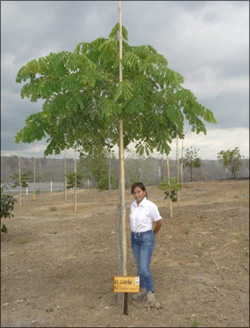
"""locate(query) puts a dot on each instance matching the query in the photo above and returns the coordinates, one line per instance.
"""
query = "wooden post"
(181, 166)
(65, 178)
(34, 187)
(40, 174)
(177, 168)
(118, 240)
(20, 193)
(170, 201)
(122, 174)
(75, 181)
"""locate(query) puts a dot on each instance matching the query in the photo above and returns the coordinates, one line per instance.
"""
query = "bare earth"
(58, 264)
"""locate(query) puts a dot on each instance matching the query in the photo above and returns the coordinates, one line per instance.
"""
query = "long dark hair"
(140, 185)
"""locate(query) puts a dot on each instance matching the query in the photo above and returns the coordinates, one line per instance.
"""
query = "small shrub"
(195, 324)
(239, 236)
(7, 206)
(193, 220)
(53, 209)
(23, 240)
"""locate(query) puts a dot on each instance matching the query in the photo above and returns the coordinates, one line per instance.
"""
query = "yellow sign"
(126, 284)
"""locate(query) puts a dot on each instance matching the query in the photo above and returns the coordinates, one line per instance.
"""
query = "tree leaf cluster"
(7, 205)
(84, 100)
(25, 179)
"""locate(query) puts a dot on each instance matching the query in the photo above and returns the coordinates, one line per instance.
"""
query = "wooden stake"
(20, 193)
(170, 201)
(118, 241)
(34, 182)
(65, 178)
(181, 166)
(177, 168)
(75, 181)
(122, 174)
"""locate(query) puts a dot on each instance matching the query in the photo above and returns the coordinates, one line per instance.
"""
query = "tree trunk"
(191, 171)
(170, 201)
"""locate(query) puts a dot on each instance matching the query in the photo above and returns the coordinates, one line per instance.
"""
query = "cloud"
(206, 41)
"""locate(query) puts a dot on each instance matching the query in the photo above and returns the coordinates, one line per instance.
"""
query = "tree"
(26, 177)
(171, 187)
(7, 206)
(231, 159)
(95, 167)
(71, 180)
(191, 160)
(85, 99)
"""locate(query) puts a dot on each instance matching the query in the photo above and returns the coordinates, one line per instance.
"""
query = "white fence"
(39, 187)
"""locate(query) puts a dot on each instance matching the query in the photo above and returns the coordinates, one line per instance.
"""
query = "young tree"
(191, 160)
(71, 180)
(26, 177)
(96, 167)
(7, 206)
(86, 101)
(231, 159)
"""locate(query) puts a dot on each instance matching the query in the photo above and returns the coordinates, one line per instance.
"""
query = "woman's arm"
(157, 226)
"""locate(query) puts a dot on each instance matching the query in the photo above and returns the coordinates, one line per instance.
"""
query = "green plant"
(192, 220)
(239, 236)
(191, 160)
(186, 231)
(23, 240)
(83, 98)
(25, 178)
(170, 187)
(231, 159)
(71, 180)
(7, 206)
(195, 324)
(52, 208)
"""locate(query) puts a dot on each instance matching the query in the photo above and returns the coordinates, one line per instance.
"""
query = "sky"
(207, 42)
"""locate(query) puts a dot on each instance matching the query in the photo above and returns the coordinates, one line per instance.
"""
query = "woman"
(143, 213)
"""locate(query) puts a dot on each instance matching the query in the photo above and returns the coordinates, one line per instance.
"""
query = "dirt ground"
(57, 264)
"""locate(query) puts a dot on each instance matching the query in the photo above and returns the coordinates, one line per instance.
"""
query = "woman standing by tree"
(142, 215)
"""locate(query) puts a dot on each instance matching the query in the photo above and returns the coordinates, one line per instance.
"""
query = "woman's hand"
(158, 225)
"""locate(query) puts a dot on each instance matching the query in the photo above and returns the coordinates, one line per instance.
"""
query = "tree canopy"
(231, 159)
(84, 100)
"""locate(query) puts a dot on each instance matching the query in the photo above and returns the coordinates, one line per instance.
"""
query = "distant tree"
(71, 180)
(95, 167)
(7, 206)
(26, 177)
(231, 159)
(162, 167)
(191, 160)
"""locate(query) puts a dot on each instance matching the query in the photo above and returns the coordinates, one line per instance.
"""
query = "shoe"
(140, 296)
(151, 299)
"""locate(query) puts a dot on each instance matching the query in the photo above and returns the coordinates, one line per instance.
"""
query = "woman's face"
(139, 194)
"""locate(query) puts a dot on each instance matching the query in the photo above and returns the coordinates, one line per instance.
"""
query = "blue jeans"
(143, 245)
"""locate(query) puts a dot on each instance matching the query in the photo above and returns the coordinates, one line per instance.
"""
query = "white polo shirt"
(143, 215)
